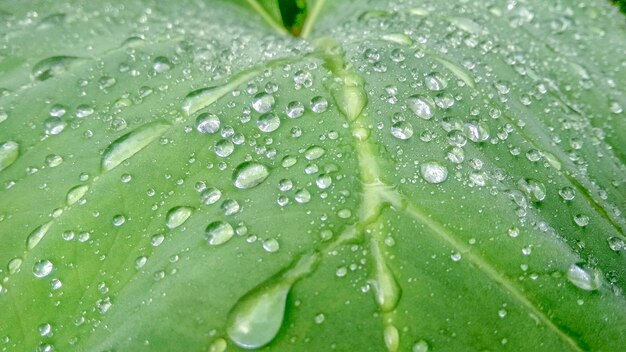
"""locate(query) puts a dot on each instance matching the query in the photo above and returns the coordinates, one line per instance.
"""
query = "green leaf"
(406, 176)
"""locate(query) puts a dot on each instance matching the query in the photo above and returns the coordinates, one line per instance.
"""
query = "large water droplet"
(177, 216)
(131, 143)
(42, 268)
(587, 279)
(314, 152)
(263, 103)
(52, 66)
(392, 338)
(257, 317)
(219, 232)
(422, 106)
(37, 235)
(76, 193)
(402, 130)
(433, 172)
(434, 81)
(268, 122)
(14, 265)
(249, 174)
(386, 289)
(350, 96)
(9, 152)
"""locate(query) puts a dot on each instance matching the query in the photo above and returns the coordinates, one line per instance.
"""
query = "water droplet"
(177, 216)
(230, 207)
(567, 193)
(76, 193)
(477, 131)
(433, 172)
(615, 243)
(581, 220)
(532, 188)
(54, 126)
(350, 97)
(52, 66)
(54, 160)
(271, 245)
(314, 152)
(83, 111)
(37, 235)
(587, 279)
(263, 103)
(402, 130)
(386, 289)
(140, 262)
(14, 265)
(162, 64)
(224, 148)
(268, 122)
(303, 196)
(207, 123)
(295, 109)
(9, 152)
(45, 330)
(422, 106)
(118, 220)
(434, 81)
(257, 317)
(42, 268)
(219, 232)
(219, 345)
(210, 196)
(392, 338)
(319, 318)
(319, 104)
(323, 181)
(157, 239)
(131, 143)
(249, 174)
(420, 346)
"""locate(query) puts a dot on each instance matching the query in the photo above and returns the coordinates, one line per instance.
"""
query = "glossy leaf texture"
(406, 176)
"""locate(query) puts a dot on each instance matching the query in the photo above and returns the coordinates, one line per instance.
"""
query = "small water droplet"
(54, 160)
(433, 172)
(420, 346)
(319, 318)
(303, 196)
(434, 81)
(295, 109)
(119, 220)
(224, 148)
(207, 123)
(75, 194)
(210, 196)
(615, 243)
(177, 216)
(219, 232)
(162, 64)
(42, 268)
(567, 193)
(314, 152)
(402, 130)
(249, 174)
(9, 152)
(581, 220)
(532, 188)
(271, 245)
(319, 104)
(230, 207)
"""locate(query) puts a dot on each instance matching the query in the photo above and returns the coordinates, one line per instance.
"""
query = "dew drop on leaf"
(268, 122)
(177, 216)
(402, 130)
(420, 346)
(422, 106)
(37, 235)
(257, 317)
(587, 279)
(207, 123)
(75, 194)
(42, 268)
(131, 143)
(219, 232)
(249, 174)
(263, 103)
(9, 152)
(433, 172)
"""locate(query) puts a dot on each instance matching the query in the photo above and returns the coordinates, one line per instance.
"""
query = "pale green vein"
(312, 17)
(256, 6)
(402, 203)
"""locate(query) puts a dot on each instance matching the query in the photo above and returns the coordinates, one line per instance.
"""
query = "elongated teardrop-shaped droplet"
(14, 265)
(386, 289)
(392, 338)
(249, 174)
(52, 66)
(8, 154)
(203, 97)
(257, 317)
(76, 193)
(131, 143)
(37, 235)
(588, 279)
(177, 216)
(350, 97)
